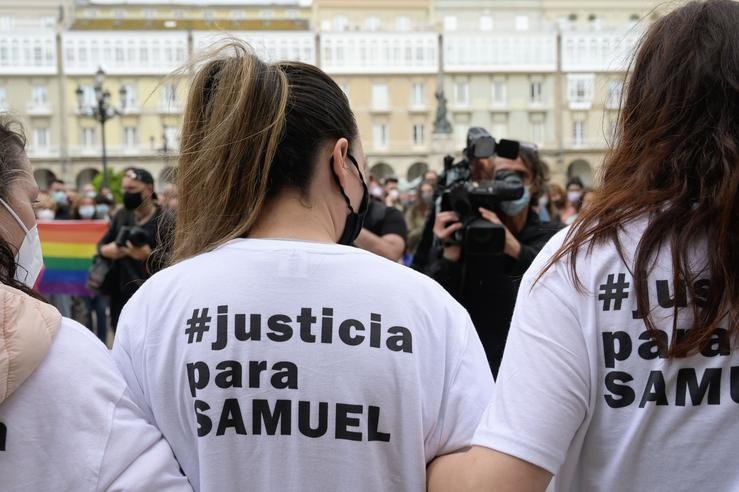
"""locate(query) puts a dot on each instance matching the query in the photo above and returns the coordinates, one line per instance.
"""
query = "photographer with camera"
(131, 239)
(485, 233)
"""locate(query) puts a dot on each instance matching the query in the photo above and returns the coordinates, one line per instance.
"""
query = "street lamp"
(101, 111)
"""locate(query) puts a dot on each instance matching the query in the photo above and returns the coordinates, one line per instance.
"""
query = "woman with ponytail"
(272, 354)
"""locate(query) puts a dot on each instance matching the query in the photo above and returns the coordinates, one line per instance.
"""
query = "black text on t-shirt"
(352, 421)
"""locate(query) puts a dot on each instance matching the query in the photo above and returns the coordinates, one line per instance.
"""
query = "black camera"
(461, 194)
(137, 235)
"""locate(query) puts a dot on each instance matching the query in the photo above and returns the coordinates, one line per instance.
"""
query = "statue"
(441, 123)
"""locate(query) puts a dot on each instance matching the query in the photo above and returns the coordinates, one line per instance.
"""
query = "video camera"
(136, 234)
(461, 194)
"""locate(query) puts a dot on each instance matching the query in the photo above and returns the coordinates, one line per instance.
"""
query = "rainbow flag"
(68, 247)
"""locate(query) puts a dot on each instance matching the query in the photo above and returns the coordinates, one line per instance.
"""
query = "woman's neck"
(288, 217)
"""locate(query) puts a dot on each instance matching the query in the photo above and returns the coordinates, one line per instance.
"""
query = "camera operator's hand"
(445, 225)
(111, 251)
(512, 246)
(140, 253)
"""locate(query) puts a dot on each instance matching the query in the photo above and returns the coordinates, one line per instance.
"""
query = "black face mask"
(132, 201)
(354, 220)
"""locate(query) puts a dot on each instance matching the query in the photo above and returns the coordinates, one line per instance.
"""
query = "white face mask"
(29, 259)
(573, 196)
(45, 214)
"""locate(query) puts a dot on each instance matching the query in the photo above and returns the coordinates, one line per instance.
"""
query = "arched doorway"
(382, 171)
(416, 171)
(86, 176)
(44, 177)
(582, 169)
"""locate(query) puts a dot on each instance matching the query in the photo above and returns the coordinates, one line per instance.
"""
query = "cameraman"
(131, 239)
(487, 285)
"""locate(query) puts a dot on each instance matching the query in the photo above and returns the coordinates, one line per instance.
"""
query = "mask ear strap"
(341, 188)
(15, 216)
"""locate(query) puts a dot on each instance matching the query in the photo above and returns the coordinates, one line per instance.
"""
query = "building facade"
(548, 72)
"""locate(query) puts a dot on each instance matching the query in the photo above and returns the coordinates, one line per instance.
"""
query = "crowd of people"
(265, 341)
(99, 311)
(393, 228)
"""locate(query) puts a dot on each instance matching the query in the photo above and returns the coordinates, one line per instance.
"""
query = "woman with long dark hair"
(66, 419)
(622, 370)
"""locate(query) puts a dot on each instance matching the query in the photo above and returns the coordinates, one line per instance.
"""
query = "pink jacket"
(27, 327)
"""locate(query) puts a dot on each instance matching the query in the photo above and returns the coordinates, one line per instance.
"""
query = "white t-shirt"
(583, 392)
(286, 365)
(72, 426)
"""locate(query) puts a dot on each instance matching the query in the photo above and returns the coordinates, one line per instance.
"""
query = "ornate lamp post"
(102, 110)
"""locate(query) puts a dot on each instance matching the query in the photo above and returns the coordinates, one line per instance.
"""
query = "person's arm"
(136, 457)
(107, 248)
(482, 469)
(390, 239)
(390, 246)
(545, 373)
(512, 246)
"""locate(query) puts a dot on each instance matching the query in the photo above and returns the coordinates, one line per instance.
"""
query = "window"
(88, 137)
(578, 132)
(595, 23)
(418, 95)
(499, 93)
(340, 23)
(171, 137)
(462, 93)
(88, 96)
(380, 97)
(580, 88)
(460, 130)
(208, 15)
(130, 136)
(612, 128)
(40, 95)
(615, 87)
(372, 23)
(267, 14)
(522, 23)
(148, 14)
(535, 92)
(450, 23)
(169, 96)
(3, 99)
(118, 14)
(418, 134)
(486, 23)
(379, 136)
(403, 24)
(237, 14)
(537, 132)
(345, 89)
(500, 128)
(41, 138)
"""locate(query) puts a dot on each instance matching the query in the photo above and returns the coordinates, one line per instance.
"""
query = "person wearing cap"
(131, 240)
